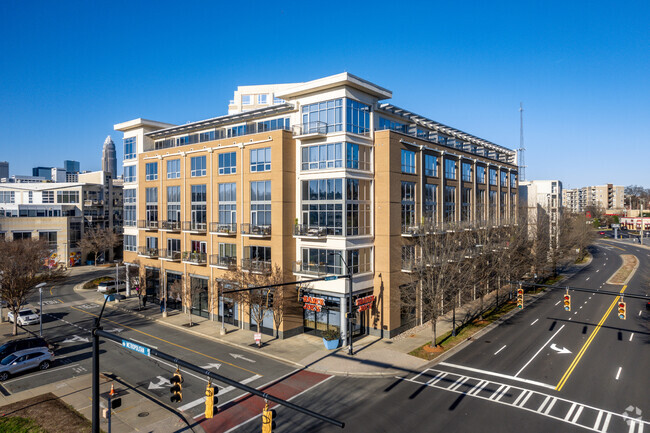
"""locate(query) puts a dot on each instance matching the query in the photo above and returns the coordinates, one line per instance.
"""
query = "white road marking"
(568, 414)
(580, 307)
(504, 346)
(504, 376)
(557, 303)
(534, 321)
(587, 279)
(640, 311)
(437, 379)
(479, 386)
(503, 392)
(540, 349)
(585, 302)
(550, 406)
(458, 383)
(223, 391)
(606, 423)
(597, 270)
(577, 415)
(618, 373)
(541, 406)
(631, 335)
(570, 318)
(495, 393)
(575, 312)
(597, 423)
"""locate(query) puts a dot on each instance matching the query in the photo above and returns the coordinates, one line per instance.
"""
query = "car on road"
(22, 344)
(601, 233)
(109, 286)
(26, 316)
(23, 360)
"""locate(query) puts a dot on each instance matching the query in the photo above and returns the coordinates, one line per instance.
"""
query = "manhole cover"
(143, 414)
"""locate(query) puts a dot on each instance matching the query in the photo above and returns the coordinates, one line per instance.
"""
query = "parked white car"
(108, 286)
(26, 316)
(39, 357)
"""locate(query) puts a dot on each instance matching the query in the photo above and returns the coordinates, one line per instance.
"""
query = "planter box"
(331, 344)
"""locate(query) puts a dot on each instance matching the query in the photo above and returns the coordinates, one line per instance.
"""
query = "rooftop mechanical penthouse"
(308, 179)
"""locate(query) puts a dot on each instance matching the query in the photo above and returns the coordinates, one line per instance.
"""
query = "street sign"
(331, 277)
(258, 337)
(136, 348)
(616, 226)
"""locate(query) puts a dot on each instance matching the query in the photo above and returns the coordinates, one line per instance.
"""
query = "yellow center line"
(51, 290)
(169, 342)
(576, 360)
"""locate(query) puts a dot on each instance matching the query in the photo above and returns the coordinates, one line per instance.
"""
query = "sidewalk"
(373, 356)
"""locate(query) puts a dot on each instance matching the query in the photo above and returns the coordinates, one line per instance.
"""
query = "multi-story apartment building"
(60, 212)
(318, 178)
(542, 196)
(609, 197)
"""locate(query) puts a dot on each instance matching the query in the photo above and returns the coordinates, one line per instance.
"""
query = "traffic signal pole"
(153, 352)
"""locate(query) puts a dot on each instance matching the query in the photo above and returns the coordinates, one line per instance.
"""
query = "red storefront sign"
(365, 307)
(313, 303)
(365, 300)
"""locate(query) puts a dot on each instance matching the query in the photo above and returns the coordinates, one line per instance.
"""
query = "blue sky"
(71, 70)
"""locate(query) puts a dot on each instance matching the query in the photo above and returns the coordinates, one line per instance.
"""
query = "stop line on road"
(571, 412)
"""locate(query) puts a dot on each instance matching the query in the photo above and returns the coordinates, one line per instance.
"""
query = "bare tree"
(22, 267)
(97, 240)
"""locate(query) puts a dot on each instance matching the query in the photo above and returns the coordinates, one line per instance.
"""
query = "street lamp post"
(349, 313)
(40, 311)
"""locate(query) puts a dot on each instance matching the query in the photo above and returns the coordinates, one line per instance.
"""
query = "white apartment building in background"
(609, 197)
(542, 196)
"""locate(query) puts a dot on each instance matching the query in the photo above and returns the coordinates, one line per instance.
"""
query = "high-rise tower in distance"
(109, 161)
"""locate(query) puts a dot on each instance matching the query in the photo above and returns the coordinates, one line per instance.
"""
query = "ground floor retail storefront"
(323, 312)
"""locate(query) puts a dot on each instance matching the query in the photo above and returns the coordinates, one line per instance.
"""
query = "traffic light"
(621, 310)
(177, 387)
(210, 400)
(268, 419)
(520, 298)
(567, 302)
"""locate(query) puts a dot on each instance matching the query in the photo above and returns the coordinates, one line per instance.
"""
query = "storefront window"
(328, 318)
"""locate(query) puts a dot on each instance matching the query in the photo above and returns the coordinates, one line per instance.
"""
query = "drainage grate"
(143, 414)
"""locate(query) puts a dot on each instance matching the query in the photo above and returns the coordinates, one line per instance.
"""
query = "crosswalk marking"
(578, 414)
(458, 383)
(479, 386)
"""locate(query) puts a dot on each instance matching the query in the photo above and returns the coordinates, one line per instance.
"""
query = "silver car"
(26, 316)
(23, 360)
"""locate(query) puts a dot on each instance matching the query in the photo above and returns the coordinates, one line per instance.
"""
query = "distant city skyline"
(581, 75)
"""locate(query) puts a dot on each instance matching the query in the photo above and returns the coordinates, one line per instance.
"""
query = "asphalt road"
(544, 369)
(69, 317)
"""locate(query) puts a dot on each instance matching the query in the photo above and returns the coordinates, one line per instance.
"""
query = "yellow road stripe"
(576, 360)
(60, 301)
(614, 246)
(51, 290)
(169, 342)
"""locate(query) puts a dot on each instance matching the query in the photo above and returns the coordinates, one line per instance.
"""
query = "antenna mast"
(521, 160)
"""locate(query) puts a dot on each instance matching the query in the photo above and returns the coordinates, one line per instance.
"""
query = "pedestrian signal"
(567, 302)
(177, 387)
(621, 310)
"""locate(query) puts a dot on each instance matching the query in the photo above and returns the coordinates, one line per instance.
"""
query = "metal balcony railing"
(194, 226)
(253, 265)
(412, 230)
(316, 269)
(172, 255)
(148, 252)
(195, 257)
(224, 262)
(256, 230)
(148, 224)
(172, 226)
(223, 229)
(306, 230)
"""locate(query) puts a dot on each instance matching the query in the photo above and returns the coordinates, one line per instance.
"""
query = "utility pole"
(641, 232)
(40, 311)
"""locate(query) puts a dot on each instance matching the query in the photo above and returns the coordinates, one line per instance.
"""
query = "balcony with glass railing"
(223, 229)
(151, 225)
(170, 255)
(194, 257)
(256, 230)
(310, 129)
(223, 262)
(256, 266)
(148, 252)
(170, 226)
(195, 227)
(309, 231)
